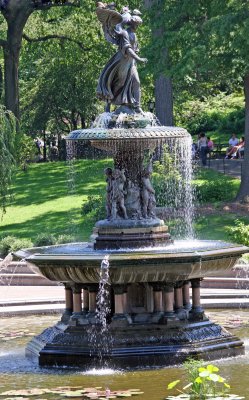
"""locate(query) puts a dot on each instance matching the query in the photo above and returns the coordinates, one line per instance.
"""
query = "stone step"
(225, 283)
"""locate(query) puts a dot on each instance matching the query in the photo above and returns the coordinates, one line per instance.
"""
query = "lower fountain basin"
(183, 260)
(151, 320)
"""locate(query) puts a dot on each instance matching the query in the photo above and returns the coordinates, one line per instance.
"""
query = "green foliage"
(48, 239)
(25, 150)
(204, 382)
(239, 232)
(44, 239)
(7, 153)
(222, 113)
(65, 239)
(94, 207)
(11, 243)
(211, 187)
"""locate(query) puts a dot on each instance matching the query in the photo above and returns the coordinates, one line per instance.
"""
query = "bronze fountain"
(151, 320)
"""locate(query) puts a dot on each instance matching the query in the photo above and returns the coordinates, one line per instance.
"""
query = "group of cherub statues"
(126, 199)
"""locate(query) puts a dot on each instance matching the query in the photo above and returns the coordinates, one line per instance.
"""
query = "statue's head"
(135, 20)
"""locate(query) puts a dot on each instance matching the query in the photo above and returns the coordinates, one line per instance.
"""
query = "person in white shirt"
(233, 141)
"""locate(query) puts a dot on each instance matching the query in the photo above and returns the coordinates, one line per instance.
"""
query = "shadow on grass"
(49, 181)
(55, 222)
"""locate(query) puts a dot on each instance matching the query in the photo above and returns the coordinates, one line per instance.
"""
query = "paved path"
(50, 299)
(228, 167)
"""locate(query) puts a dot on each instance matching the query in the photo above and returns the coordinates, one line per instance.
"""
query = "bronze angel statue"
(119, 81)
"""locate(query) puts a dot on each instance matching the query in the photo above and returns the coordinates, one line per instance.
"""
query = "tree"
(16, 15)
(7, 159)
(163, 83)
(207, 43)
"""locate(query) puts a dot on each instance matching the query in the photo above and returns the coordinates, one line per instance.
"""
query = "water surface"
(17, 373)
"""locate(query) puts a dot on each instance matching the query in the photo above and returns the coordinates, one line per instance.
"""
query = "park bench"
(219, 150)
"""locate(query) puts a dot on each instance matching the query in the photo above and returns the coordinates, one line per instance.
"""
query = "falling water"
(176, 190)
(71, 187)
(100, 336)
(102, 120)
(111, 120)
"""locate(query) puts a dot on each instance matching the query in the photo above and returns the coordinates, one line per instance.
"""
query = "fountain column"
(68, 303)
(168, 300)
(85, 299)
(68, 299)
(93, 290)
(186, 296)
(77, 301)
(120, 316)
(196, 311)
(158, 301)
(178, 294)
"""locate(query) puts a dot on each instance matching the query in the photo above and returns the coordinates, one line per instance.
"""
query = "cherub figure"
(148, 193)
(118, 194)
(119, 81)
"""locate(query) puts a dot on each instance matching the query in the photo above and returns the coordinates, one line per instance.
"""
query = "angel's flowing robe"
(119, 81)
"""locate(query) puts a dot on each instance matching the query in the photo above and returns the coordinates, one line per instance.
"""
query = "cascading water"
(175, 191)
(71, 187)
(99, 336)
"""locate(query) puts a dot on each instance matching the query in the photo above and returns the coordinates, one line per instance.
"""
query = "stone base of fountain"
(138, 345)
(121, 234)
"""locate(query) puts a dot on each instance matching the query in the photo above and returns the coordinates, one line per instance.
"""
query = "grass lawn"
(215, 227)
(42, 203)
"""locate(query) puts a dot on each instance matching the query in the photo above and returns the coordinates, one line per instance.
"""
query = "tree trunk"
(243, 194)
(16, 15)
(164, 100)
(11, 62)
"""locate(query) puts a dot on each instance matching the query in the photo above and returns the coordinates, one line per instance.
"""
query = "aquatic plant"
(71, 392)
(205, 383)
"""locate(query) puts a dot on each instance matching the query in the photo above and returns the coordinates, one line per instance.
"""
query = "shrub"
(94, 207)
(11, 243)
(211, 186)
(65, 239)
(239, 233)
(44, 239)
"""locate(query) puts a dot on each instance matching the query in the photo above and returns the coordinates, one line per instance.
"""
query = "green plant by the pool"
(204, 383)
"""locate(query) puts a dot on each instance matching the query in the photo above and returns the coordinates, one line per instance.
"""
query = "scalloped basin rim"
(153, 132)
(85, 252)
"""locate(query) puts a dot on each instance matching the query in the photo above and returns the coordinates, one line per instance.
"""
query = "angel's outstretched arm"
(135, 56)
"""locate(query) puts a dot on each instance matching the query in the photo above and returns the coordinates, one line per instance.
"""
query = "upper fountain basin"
(130, 139)
(183, 260)
(157, 132)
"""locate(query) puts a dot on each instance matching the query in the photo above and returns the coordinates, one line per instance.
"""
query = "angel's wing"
(109, 19)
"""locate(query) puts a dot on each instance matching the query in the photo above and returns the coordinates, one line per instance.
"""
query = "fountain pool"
(16, 372)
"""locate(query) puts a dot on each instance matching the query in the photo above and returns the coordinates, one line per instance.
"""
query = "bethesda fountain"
(149, 319)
